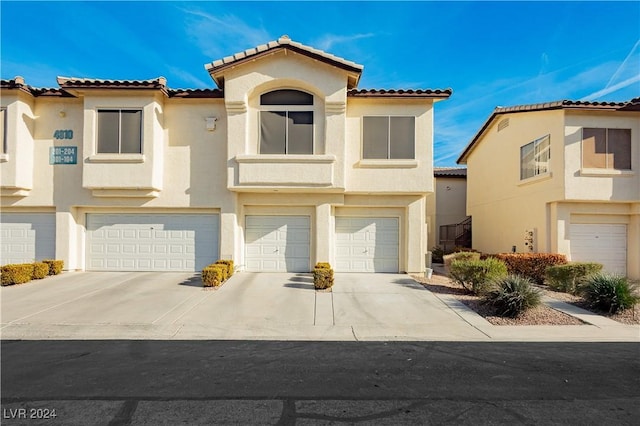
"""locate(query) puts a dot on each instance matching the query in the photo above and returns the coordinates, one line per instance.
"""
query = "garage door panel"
(277, 243)
(165, 242)
(602, 243)
(367, 244)
(27, 237)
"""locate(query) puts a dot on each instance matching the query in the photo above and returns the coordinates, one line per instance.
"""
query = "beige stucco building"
(286, 163)
(559, 177)
(448, 207)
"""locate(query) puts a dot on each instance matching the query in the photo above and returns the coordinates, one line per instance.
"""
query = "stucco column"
(228, 229)
(323, 234)
(416, 236)
(66, 241)
(560, 220)
(633, 247)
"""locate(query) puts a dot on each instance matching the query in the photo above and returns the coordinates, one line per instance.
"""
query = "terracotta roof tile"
(400, 93)
(195, 93)
(75, 82)
(460, 172)
(283, 42)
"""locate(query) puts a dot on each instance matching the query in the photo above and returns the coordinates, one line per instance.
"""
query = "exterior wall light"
(211, 123)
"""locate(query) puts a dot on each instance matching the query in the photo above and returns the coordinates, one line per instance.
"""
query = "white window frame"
(389, 138)
(3, 143)
(287, 109)
(98, 110)
(538, 166)
(606, 169)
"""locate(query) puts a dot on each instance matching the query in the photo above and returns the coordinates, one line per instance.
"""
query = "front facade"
(560, 177)
(286, 164)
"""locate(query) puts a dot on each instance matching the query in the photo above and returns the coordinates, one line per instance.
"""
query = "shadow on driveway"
(194, 281)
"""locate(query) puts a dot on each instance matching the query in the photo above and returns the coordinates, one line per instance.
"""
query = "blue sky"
(490, 53)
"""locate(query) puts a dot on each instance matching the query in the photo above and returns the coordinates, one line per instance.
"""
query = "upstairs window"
(286, 122)
(606, 148)
(388, 138)
(3, 130)
(119, 131)
(534, 158)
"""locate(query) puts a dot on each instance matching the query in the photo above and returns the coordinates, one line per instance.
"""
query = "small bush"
(532, 265)
(322, 276)
(513, 295)
(40, 270)
(461, 255)
(213, 275)
(18, 273)
(609, 293)
(476, 275)
(436, 254)
(229, 265)
(567, 278)
(55, 266)
(323, 265)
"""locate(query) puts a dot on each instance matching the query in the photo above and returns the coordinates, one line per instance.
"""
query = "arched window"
(286, 122)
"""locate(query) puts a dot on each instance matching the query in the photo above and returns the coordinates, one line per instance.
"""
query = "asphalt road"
(265, 382)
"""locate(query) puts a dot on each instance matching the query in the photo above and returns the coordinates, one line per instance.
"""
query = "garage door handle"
(276, 250)
(366, 251)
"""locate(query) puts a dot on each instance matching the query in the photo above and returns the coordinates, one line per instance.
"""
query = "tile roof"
(400, 93)
(195, 93)
(94, 83)
(283, 42)
(460, 172)
(632, 105)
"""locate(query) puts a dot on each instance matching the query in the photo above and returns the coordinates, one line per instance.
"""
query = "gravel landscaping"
(543, 315)
(629, 316)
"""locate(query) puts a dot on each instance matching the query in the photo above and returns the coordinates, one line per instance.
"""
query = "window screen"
(606, 148)
(3, 130)
(286, 97)
(119, 131)
(388, 138)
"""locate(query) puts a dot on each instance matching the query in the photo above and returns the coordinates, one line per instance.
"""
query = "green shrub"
(532, 265)
(18, 273)
(436, 254)
(229, 265)
(40, 270)
(476, 275)
(323, 265)
(461, 255)
(513, 295)
(55, 266)
(213, 275)
(609, 293)
(322, 278)
(567, 278)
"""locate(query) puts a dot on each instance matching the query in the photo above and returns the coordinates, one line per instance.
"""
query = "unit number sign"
(63, 155)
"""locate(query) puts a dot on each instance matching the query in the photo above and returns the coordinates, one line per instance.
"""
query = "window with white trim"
(388, 137)
(534, 158)
(3, 130)
(286, 122)
(119, 131)
(606, 148)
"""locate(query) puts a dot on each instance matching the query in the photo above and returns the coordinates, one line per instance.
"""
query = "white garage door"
(606, 244)
(277, 243)
(366, 244)
(25, 237)
(151, 242)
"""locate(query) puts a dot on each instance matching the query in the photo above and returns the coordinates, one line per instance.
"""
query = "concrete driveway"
(280, 306)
